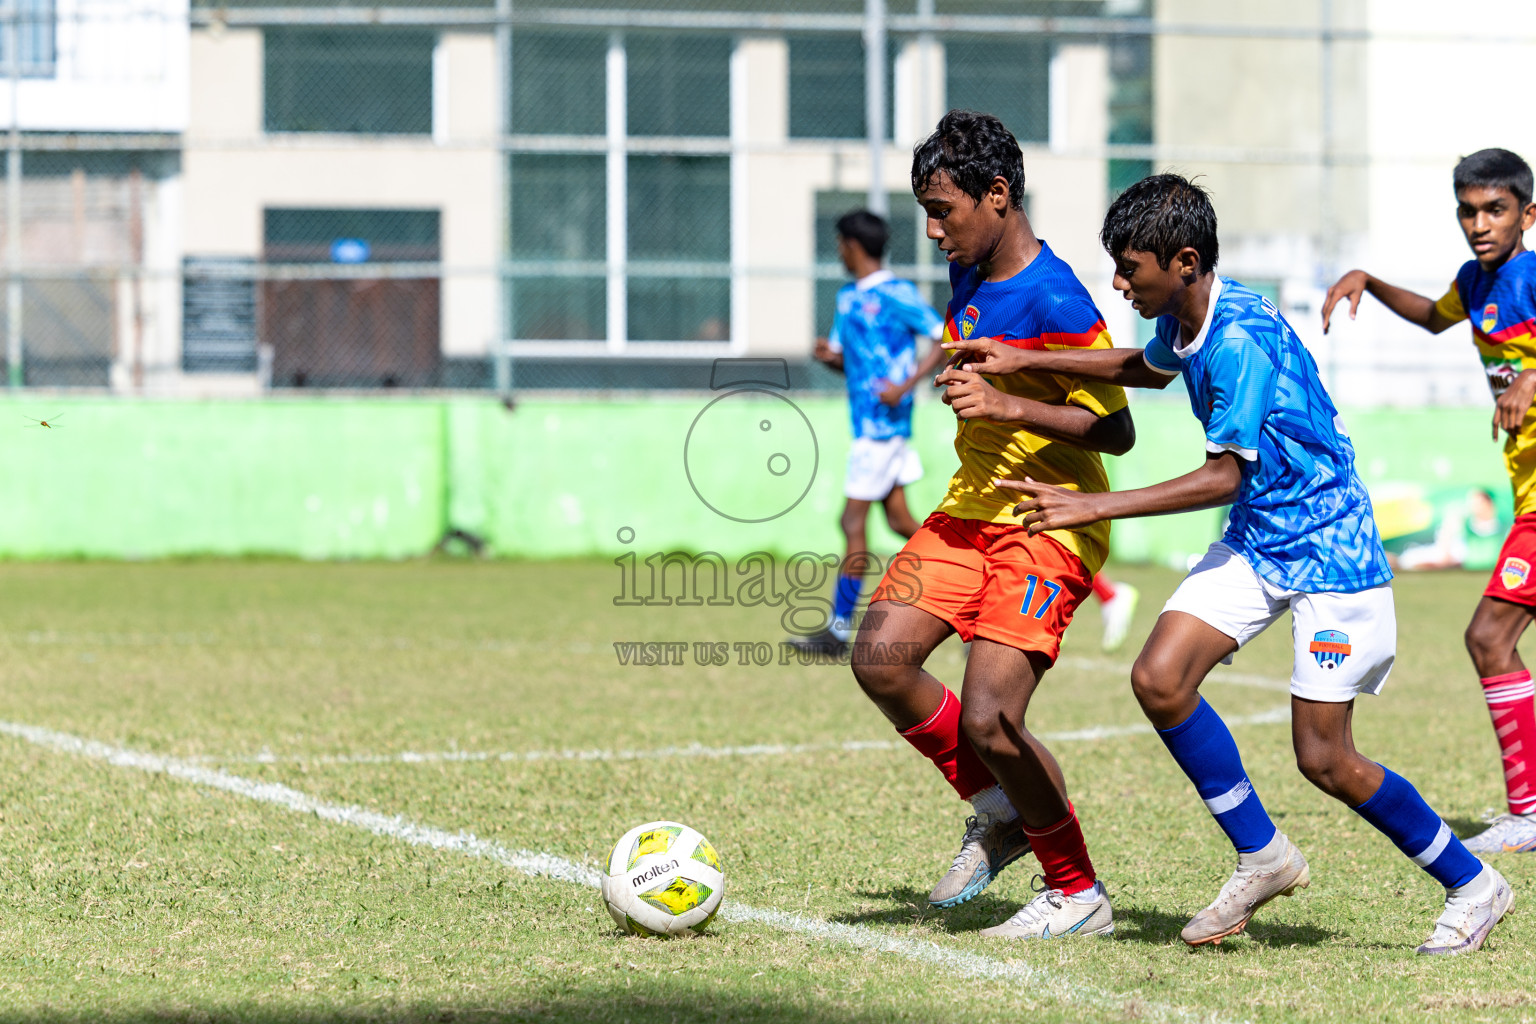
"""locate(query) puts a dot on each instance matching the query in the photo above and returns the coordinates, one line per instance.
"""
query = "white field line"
(1273, 716)
(1032, 980)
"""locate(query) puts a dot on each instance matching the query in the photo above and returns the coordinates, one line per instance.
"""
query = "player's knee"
(877, 676)
(1324, 767)
(1158, 685)
(983, 725)
(1484, 642)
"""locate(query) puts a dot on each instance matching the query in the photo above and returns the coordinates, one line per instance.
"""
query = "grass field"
(248, 839)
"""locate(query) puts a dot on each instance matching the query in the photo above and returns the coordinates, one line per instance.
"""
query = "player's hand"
(973, 398)
(1509, 412)
(1351, 286)
(892, 394)
(824, 353)
(1048, 507)
(986, 355)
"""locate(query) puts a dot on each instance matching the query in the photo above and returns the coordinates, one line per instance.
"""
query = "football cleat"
(1249, 888)
(1117, 613)
(1055, 915)
(1467, 919)
(988, 846)
(1508, 833)
(825, 644)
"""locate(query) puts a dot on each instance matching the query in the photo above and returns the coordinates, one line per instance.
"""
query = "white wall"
(121, 67)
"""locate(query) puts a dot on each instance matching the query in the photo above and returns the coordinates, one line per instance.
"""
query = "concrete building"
(317, 195)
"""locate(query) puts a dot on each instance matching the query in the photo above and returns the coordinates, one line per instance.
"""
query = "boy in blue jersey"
(1301, 538)
(872, 343)
(1496, 290)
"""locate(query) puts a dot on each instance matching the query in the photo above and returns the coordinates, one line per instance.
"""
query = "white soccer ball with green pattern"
(663, 879)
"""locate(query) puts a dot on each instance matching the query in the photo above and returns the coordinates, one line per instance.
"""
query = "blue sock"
(845, 598)
(1204, 748)
(1397, 811)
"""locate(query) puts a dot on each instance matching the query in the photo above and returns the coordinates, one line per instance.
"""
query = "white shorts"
(1344, 643)
(875, 468)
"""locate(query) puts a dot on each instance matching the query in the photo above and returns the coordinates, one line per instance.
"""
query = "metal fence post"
(501, 357)
(874, 101)
(13, 299)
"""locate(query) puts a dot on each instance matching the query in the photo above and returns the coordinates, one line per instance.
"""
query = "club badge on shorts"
(1514, 573)
(1330, 648)
(968, 321)
(1490, 316)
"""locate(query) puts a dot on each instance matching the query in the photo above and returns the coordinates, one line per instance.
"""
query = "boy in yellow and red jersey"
(972, 568)
(1496, 290)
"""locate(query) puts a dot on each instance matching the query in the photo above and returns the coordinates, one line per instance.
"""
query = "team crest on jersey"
(1330, 648)
(968, 321)
(1514, 573)
(1490, 316)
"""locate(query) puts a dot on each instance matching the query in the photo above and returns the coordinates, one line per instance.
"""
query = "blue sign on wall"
(350, 250)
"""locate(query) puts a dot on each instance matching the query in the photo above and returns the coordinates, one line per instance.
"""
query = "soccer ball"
(663, 879)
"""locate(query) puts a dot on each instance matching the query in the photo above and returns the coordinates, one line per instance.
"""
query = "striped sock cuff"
(1041, 833)
(1511, 686)
(1431, 853)
(949, 695)
(1231, 799)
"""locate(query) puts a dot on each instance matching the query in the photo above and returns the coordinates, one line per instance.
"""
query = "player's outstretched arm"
(1048, 507)
(1411, 306)
(973, 398)
(1126, 367)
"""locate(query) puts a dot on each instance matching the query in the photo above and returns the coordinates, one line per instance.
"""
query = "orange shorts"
(991, 580)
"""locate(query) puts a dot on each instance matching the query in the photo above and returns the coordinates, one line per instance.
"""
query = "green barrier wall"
(387, 478)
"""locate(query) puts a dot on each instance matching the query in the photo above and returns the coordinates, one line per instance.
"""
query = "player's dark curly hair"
(973, 149)
(868, 229)
(1495, 168)
(1162, 214)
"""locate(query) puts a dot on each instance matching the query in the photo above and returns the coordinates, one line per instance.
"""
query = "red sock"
(1514, 722)
(940, 740)
(1103, 587)
(1063, 854)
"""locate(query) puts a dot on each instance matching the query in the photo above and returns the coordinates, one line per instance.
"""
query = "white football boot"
(1470, 914)
(1277, 870)
(1055, 915)
(1508, 833)
(1117, 613)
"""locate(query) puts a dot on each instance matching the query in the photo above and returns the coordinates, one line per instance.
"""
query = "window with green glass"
(361, 80)
(679, 212)
(1008, 78)
(678, 85)
(559, 83)
(558, 206)
(826, 87)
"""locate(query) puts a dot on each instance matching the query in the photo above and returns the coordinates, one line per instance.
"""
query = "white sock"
(995, 802)
(1270, 855)
(1479, 887)
(1089, 894)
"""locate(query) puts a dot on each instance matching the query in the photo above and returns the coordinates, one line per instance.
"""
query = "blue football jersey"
(876, 321)
(1302, 517)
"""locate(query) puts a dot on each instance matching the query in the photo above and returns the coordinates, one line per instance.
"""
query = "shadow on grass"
(1158, 928)
(908, 906)
(611, 1006)
(1465, 828)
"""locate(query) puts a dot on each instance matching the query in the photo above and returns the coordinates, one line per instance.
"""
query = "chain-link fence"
(483, 194)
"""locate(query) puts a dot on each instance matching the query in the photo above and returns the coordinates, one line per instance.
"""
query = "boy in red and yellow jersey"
(972, 568)
(1496, 290)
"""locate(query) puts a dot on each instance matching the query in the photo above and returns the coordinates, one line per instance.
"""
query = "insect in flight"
(44, 423)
